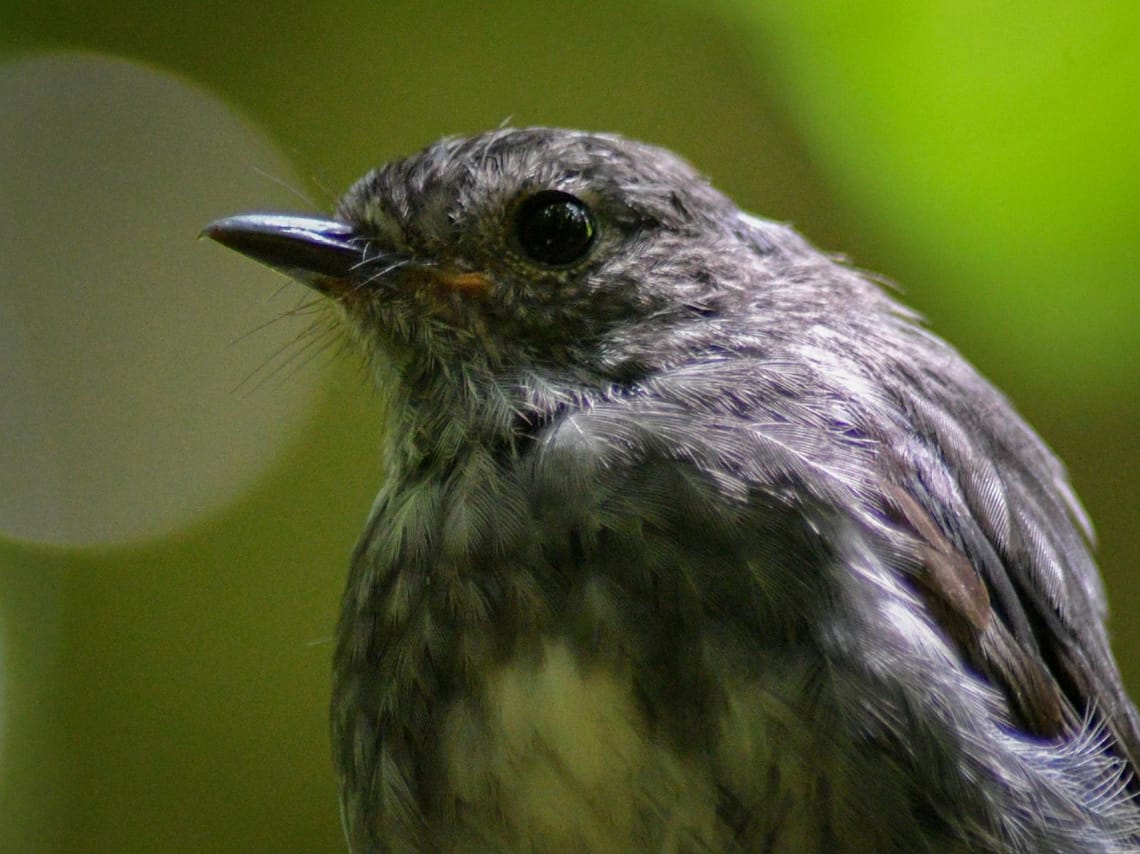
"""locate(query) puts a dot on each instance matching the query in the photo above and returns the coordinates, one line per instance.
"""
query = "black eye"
(554, 228)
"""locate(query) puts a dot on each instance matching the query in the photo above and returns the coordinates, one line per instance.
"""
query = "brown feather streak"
(957, 598)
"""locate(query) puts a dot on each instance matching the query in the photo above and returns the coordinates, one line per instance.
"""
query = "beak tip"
(225, 229)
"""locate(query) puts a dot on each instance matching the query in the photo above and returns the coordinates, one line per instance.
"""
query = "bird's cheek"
(462, 282)
(446, 285)
(455, 296)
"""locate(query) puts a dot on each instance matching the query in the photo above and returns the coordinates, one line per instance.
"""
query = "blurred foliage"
(171, 697)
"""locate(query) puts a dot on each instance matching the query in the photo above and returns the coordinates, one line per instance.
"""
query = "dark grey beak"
(321, 253)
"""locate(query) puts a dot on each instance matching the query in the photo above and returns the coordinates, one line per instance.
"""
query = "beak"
(324, 254)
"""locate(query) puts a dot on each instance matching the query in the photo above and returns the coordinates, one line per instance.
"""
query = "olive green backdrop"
(169, 695)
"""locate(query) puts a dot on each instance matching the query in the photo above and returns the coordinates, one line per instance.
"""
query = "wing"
(994, 506)
(1006, 565)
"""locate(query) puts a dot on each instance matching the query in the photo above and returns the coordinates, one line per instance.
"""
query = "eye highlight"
(554, 228)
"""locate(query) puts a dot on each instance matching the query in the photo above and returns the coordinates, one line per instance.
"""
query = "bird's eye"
(554, 228)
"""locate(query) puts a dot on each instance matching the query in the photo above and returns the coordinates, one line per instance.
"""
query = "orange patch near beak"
(334, 286)
(471, 283)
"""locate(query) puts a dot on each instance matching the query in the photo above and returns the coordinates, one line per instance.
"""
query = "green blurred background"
(167, 692)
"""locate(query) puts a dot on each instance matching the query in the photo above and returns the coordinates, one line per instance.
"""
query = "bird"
(691, 537)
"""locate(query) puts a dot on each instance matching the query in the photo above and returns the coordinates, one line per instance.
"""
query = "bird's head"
(522, 251)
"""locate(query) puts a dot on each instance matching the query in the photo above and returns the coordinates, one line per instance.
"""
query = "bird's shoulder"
(915, 450)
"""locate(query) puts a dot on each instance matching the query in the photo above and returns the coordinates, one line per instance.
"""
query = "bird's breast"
(567, 754)
(554, 755)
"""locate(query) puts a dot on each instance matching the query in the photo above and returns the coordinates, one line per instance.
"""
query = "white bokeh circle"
(125, 343)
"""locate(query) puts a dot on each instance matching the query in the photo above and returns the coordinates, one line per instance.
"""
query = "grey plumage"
(695, 541)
